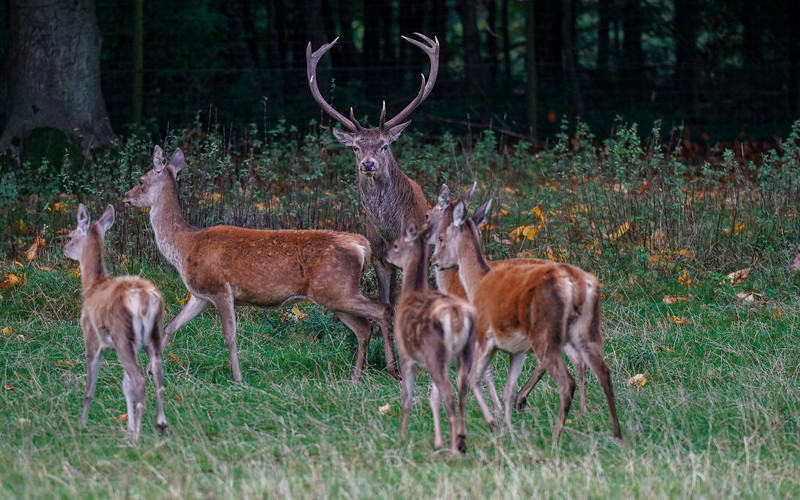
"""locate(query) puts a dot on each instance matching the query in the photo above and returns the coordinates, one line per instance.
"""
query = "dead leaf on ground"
(121, 418)
(11, 279)
(637, 380)
(669, 299)
(384, 409)
(738, 276)
(749, 296)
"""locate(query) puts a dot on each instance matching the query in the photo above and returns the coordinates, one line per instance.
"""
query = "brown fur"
(584, 285)
(795, 265)
(433, 330)
(522, 307)
(226, 265)
(125, 313)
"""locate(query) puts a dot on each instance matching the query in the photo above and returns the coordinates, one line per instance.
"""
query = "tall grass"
(719, 415)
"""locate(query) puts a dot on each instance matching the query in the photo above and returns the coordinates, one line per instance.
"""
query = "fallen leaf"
(121, 418)
(178, 398)
(669, 299)
(679, 320)
(64, 362)
(186, 296)
(778, 313)
(174, 358)
(749, 296)
(738, 276)
(684, 278)
(45, 268)
(383, 410)
(637, 380)
(8, 330)
(297, 314)
(9, 280)
(10, 388)
(23, 421)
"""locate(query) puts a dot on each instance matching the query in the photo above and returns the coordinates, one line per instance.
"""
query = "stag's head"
(150, 187)
(372, 145)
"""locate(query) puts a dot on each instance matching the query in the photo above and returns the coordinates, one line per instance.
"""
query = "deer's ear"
(345, 138)
(106, 220)
(83, 217)
(466, 196)
(411, 232)
(479, 217)
(393, 133)
(444, 196)
(158, 159)
(177, 160)
(459, 213)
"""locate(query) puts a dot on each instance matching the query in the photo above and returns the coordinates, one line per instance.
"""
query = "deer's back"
(263, 267)
(432, 318)
(115, 304)
(516, 302)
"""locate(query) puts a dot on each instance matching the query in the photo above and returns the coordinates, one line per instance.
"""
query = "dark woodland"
(722, 70)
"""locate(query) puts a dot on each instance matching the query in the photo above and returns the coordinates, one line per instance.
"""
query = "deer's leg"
(362, 329)
(436, 403)
(550, 357)
(488, 378)
(516, 361)
(522, 396)
(132, 386)
(594, 357)
(580, 370)
(407, 370)
(193, 307)
(465, 365)
(224, 305)
(156, 368)
(483, 356)
(443, 389)
(93, 357)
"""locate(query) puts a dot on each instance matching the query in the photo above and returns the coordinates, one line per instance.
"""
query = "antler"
(430, 47)
(311, 68)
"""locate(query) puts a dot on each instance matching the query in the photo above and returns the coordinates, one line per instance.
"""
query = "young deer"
(125, 313)
(521, 307)
(586, 289)
(225, 265)
(390, 198)
(433, 329)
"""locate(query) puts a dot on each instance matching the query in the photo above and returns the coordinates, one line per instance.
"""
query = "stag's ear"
(459, 213)
(345, 138)
(158, 159)
(106, 220)
(177, 161)
(479, 217)
(83, 217)
(393, 133)
(444, 196)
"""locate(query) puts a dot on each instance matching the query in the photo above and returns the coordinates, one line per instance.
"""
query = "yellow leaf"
(174, 358)
(679, 320)
(778, 313)
(537, 211)
(64, 362)
(623, 228)
(74, 271)
(298, 314)
(122, 418)
(10, 280)
(8, 330)
(20, 226)
(683, 252)
(185, 298)
(637, 380)
(684, 278)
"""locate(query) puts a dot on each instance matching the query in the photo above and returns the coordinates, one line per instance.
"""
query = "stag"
(124, 313)
(389, 197)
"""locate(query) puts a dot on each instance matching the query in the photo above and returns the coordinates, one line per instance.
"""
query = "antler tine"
(353, 119)
(312, 59)
(430, 47)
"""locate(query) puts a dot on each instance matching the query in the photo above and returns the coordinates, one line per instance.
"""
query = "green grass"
(718, 417)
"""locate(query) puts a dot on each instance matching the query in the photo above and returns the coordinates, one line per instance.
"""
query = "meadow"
(698, 301)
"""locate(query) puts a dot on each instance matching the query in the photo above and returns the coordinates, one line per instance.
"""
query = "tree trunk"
(52, 72)
(570, 62)
(138, 61)
(530, 68)
(472, 45)
(632, 54)
(603, 40)
(686, 22)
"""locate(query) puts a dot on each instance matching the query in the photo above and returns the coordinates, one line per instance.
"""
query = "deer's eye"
(384, 148)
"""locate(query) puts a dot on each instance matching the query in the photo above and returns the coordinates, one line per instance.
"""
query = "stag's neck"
(93, 265)
(472, 265)
(169, 224)
(415, 274)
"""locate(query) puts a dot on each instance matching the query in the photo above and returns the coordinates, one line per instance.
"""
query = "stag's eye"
(384, 148)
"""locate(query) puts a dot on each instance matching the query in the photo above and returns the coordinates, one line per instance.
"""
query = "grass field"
(719, 415)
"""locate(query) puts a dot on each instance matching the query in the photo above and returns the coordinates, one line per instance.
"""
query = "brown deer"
(390, 198)
(124, 313)
(521, 307)
(433, 329)
(225, 265)
(585, 300)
